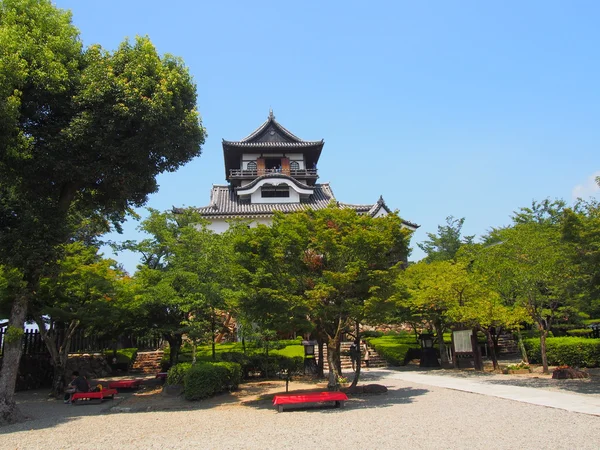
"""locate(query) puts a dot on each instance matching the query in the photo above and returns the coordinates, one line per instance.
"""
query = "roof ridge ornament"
(271, 116)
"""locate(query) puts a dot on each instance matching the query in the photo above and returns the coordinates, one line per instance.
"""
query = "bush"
(177, 373)
(206, 379)
(234, 374)
(572, 351)
(394, 349)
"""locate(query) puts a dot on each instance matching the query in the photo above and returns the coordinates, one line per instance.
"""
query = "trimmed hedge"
(572, 351)
(176, 374)
(204, 380)
(394, 349)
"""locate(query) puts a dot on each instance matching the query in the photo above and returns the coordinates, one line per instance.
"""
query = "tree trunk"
(543, 335)
(321, 362)
(492, 347)
(174, 341)
(333, 383)
(478, 362)
(521, 346)
(357, 343)
(213, 334)
(339, 358)
(59, 352)
(9, 413)
(439, 331)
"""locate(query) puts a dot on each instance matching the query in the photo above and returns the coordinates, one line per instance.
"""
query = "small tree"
(80, 293)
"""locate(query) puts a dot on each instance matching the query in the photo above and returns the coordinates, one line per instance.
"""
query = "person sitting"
(78, 384)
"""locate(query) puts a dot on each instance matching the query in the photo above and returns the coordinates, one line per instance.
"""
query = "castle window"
(251, 165)
(294, 165)
(275, 192)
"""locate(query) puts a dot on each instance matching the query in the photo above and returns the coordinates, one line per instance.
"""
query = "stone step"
(147, 362)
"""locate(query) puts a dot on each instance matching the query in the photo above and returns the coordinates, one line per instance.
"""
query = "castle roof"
(226, 204)
(270, 137)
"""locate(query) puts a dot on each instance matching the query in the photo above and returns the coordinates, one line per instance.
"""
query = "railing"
(241, 173)
(33, 343)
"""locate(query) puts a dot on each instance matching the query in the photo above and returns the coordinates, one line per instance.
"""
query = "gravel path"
(408, 416)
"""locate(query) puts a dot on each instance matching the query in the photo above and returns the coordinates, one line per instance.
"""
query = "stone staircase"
(507, 344)
(147, 362)
(374, 359)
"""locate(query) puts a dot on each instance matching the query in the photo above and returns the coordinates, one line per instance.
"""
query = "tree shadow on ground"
(355, 401)
(44, 412)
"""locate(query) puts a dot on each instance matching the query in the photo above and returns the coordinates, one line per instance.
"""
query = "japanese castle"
(273, 170)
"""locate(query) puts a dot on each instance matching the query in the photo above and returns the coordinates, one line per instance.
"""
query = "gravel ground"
(408, 416)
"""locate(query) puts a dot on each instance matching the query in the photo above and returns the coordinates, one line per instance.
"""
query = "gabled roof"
(226, 204)
(275, 126)
(270, 137)
(272, 131)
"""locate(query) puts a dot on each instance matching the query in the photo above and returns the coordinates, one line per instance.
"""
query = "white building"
(273, 170)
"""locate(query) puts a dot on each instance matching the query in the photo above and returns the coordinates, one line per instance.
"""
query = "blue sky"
(467, 108)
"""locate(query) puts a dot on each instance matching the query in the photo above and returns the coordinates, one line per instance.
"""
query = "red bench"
(101, 395)
(125, 384)
(311, 397)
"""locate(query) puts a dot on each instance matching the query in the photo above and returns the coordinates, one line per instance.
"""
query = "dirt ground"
(152, 397)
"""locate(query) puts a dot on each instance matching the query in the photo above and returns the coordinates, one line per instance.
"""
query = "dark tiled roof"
(225, 203)
(276, 126)
(271, 134)
(271, 144)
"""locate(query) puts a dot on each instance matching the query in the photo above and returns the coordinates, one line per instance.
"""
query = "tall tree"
(183, 281)
(444, 245)
(532, 266)
(326, 266)
(83, 133)
(581, 227)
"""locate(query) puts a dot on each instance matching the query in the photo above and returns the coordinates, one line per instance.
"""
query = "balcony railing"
(296, 173)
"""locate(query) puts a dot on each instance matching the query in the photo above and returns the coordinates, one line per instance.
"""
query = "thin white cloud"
(589, 188)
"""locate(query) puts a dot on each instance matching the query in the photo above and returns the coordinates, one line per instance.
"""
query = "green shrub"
(177, 373)
(394, 349)
(206, 379)
(203, 380)
(234, 374)
(572, 351)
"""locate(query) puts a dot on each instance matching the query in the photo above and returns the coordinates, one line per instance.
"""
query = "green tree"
(184, 279)
(83, 133)
(444, 245)
(326, 267)
(531, 266)
(78, 296)
(431, 292)
(482, 308)
(581, 227)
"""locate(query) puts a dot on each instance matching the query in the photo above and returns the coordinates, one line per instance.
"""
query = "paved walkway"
(570, 402)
